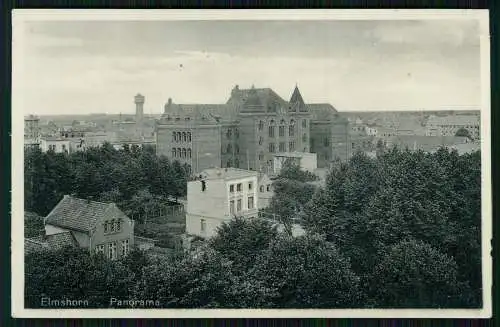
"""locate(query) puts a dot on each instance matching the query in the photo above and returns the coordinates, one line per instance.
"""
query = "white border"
(19, 16)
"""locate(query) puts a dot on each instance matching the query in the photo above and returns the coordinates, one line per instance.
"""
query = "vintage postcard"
(255, 163)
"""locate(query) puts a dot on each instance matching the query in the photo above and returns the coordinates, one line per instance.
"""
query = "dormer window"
(112, 225)
(118, 225)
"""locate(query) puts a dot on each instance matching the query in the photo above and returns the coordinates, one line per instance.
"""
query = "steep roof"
(296, 96)
(212, 112)
(79, 214)
(253, 99)
(324, 111)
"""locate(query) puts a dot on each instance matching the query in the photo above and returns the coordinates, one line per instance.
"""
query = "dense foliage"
(135, 178)
(401, 230)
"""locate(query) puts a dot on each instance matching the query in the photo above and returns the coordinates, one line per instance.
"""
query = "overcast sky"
(96, 66)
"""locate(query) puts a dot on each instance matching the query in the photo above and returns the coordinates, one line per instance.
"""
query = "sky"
(98, 66)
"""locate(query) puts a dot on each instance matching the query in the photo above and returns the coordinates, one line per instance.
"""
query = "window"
(112, 226)
(250, 186)
(229, 163)
(304, 123)
(184, 136)
(291, 128)
(261, 125)
(99, 249)
(229, 148)
(183, 153)
(261, 140)
(250, 202)
(64, 147)
(271, 147)
(125, 248)
(231, 207)
(189, 153)
(237, 148)
(268, 188)
(271, 128)
(304, 137)
(174, 136)
(282, 147)
(291, 146)
(237, 133)
(203, 186)
(238, 187)
(203, 225)
(261, 156)
(229, 133)
(238, 205)
(118, 225)
(179, 136)
(189, 136)
(112, 250)
(105, 227)
(231, 188)
(261, 188)
(326, 141)
(237, 163)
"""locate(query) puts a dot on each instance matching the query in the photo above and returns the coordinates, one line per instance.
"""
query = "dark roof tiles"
(79, 214)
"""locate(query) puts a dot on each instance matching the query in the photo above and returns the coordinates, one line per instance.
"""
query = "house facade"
(96, 226)
(245, 132)
(219, 195)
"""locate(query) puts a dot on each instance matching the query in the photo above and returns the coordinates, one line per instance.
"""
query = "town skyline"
(97, 67)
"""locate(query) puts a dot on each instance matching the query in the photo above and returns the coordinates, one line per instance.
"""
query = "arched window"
(282, 128)
(229, 133)
(237, 148)
(189, 153)
(179, 152)
(237, 163)
(291, 128)
(229, 148)
(261, 156)
(179, 136)
(261, 125)
(184, 153)
(261, 188)
(184, 137)
(174, 136)
(236, 133)
(189, 136)
(174, 153)
(271, 128)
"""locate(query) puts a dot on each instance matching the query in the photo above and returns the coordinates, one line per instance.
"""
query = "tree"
(199, 281)
(463, 132)
(307, 272)
(73, 273)
(241, 241)
(415, 275)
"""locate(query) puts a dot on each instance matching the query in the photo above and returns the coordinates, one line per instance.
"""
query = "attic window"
(118, 225)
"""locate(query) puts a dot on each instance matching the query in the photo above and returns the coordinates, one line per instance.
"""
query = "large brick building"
(246, 131)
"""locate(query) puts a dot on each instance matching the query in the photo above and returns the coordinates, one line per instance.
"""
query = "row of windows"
(281, 147)
(234, 210)
(281, 131)
(239, 187)
(181, 136)
(282, 123)
(112, 226)
(112, 252)
(267, 188)
(181, 153)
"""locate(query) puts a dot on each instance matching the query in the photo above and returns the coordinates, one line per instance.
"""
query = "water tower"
(139, 111)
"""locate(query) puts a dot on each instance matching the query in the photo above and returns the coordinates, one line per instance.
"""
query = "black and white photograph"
(256, 163)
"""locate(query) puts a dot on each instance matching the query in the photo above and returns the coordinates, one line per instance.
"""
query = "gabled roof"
(263, 99)
(81, 215)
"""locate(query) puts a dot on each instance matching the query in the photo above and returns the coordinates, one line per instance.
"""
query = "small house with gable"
(97, 226)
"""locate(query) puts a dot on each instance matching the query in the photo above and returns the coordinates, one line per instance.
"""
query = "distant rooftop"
(227, 173)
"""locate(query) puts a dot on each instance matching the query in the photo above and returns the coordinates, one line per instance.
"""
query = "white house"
(218, 195)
